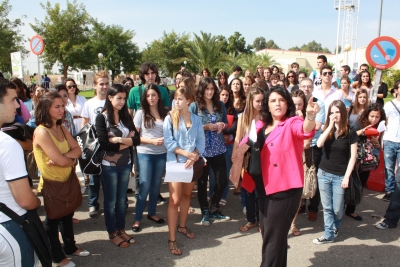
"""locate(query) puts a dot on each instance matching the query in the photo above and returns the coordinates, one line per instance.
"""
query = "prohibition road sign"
(383, 52)
(37, 45)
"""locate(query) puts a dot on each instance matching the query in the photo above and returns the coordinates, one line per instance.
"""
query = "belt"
(77, 117)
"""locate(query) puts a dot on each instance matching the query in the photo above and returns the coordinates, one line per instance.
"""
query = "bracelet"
(308, 118)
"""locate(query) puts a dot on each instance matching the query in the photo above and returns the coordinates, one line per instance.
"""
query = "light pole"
(184, 62)
(100, 56)
(347, 48)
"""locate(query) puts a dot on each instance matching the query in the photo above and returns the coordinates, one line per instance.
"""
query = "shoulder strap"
(140, 92)
(10, 213)
(395, 106)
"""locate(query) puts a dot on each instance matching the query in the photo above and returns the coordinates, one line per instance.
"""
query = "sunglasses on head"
(327, 73)
(71, 86)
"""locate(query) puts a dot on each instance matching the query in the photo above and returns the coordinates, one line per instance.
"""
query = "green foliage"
(306, 70)
(237, 44)
(340, 49)
(295, 48)
(259, 43)
(66, 36)
(331, 64)
(390, 76)
(204, 51)
(11, 40)
(167, 52)
(312, 46)
(117, 47)
(247, 61)
(224, 44)
(272, 45)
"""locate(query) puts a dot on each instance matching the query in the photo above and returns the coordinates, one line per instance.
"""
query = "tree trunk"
(65, 71)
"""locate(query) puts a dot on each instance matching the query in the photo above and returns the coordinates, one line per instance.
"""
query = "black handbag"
(92, 155)
(254, 164)
(34, 230)
(353, 192)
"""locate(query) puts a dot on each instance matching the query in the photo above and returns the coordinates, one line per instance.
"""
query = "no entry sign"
(383, 52)
(37, 45)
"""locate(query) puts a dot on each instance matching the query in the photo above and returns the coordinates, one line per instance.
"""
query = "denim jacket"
(185, 139)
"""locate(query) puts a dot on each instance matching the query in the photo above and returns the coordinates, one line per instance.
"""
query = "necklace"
(56, 131)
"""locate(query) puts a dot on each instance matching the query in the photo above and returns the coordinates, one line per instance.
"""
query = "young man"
(363, 67)
(306, 85)
(46, 81)
(326, 91)
(295, 67)
(315, 76)
(301, 75)
(15, 191)
(90, 110)
(391, 142)
(344, 72)
(236, 72)
(148, 74)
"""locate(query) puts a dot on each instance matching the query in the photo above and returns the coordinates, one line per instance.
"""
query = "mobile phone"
(315, 99)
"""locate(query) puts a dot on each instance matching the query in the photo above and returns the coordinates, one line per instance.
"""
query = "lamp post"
(347, 48)
(184, 62)
(100, 56)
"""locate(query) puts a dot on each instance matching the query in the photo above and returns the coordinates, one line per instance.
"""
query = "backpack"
(366, 159)
(310, 175)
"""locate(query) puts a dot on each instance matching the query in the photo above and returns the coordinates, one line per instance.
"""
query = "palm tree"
(249, 62)
(266, 60)
(204, 51)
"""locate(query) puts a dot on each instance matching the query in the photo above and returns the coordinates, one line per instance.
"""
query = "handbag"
(367, 161)
(31, 166)
(34, 230)
(92, 155)
(310, 176)
(61, 198)
(353, 192)
(254, 159)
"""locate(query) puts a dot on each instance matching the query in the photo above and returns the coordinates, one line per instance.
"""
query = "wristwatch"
(120, 140)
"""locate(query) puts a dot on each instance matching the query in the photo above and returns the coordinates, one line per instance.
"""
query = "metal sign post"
(37, 47)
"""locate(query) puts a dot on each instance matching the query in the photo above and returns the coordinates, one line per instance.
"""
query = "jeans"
(332, 199)
(392, 216)
(115, 184)
(67, 232)
(151, 171)
(252, 213)
(228, 156)
(94, 190)
(218, 164)
(391, 152)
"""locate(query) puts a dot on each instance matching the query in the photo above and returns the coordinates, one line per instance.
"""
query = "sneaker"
(245, 211)
(336, 233)
(217, 215)
(93, 211)
(387, 197)
(382, 226)
(321, 240)
(161, 200)
(205, 219)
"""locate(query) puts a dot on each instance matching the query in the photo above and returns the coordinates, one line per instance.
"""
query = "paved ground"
(221, 244)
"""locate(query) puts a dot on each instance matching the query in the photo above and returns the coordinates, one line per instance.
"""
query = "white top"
(392, 132)
(151, 133)
(318, 81)
(91, 108)
(12, 167)
(231, 77)
(332, 95)
(76, 111)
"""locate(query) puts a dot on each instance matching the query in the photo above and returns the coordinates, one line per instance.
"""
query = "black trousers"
(276, 215)
(67, 232)
(364, 178)
(218, 165)
(316, 199)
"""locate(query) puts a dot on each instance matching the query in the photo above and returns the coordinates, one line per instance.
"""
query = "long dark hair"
(149, 120)
(360, 83)
(220, 75)
(124, 115)
(295, 80)
(204, 82)
(343, 124)
(242, 96)
(230, 109)
(363, 118)
(42, 116)
(72, 80)
(291, 109)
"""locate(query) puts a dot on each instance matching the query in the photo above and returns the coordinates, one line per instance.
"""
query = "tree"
(167, 52)
(259, 43)
(224, 45)
(313, 46)
(65, 33)
(271, 44)
(266, 60)
(295, 48)
(116, 45)
(340, 49)
(204, 51)
(237, 44)
(11, 39)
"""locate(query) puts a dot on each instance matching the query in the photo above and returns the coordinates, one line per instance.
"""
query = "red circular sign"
(37, 45)
(383, 52)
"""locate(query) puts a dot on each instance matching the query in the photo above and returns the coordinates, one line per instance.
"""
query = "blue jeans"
(94, 190)
(392, 216)
(115, 184)
(332, 199)
(228, 156)
(391, 152)
(151, 171)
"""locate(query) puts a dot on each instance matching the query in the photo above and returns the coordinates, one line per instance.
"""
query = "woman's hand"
(50, 163)
(192, 156)
(299, 113)
(131, 134)
(158, 141)
(114, 140)
(189, 164)
(211, 127)
(312, 108)
(345, 182)
(220, 126)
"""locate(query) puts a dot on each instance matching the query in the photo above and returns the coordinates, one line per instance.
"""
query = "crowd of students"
(205, 125)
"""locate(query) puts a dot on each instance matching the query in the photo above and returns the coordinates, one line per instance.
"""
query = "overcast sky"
(287, 22)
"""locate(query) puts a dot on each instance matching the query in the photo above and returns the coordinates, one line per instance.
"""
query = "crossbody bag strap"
(10, 213)
(395, 106)
(172, 131)
(140, 92)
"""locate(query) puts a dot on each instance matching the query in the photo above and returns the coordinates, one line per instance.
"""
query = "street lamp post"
(100, 56)
(184, 62)
(347, 48)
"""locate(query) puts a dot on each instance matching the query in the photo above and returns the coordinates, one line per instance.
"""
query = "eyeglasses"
(327, 73)
(290, 76)
(71, 86)
(306, 86)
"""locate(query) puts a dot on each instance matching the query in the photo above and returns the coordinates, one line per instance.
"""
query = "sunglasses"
(327, 73)
(290, 76)
(71, 86)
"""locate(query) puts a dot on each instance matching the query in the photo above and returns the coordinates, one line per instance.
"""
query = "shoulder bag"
(353, 192)
(310, 177)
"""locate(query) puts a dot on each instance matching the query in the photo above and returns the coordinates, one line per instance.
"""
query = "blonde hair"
(175, 113)
(98, 75)
(248, 113)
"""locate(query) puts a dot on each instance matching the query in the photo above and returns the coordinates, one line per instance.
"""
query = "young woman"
(152, 154)
(213, 115)
(184, 141)
(206, 73)
(29, 102)
(222, 79)
(360, 103)
(117, 135)
(21, 94)
(239, 97)
(274, 79)
(252, 112)
(247, 82)
(68, 120)
(75, 103)
(348, 94)
(291, 81)
(370, 117)
(247, 73)
(338, 160)
(55, 153)
(275, 69)
(363, 82)
(282, 76)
